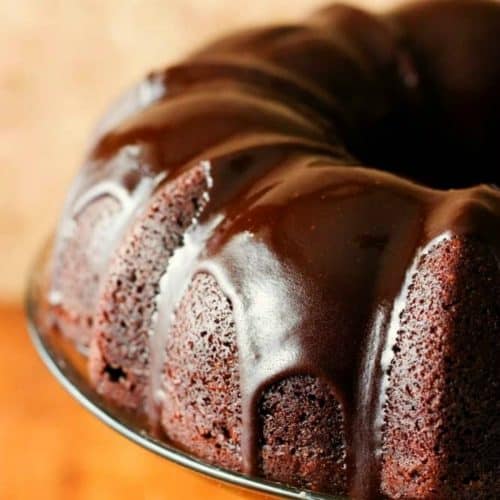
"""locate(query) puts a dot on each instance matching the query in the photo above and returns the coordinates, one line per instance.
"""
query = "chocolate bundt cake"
(284, 252)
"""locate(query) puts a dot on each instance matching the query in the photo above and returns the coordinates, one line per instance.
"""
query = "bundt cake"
(284, 252)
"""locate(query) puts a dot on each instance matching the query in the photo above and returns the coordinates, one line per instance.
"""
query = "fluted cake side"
(283, 252)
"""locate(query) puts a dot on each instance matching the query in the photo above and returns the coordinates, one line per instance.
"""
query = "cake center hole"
(430, 151)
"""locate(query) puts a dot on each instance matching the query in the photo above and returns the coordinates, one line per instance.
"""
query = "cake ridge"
(172, 286)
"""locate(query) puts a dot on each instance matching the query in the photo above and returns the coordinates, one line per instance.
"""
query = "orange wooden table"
(51, 448)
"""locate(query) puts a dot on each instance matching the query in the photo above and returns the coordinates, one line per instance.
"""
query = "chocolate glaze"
(314, 250)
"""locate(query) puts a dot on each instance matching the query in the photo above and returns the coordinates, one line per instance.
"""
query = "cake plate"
(67, 365)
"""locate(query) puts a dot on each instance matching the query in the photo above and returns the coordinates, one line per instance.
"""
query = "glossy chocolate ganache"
(313, 173)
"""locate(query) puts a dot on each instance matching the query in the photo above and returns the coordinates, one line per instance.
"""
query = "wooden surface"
(51, 448)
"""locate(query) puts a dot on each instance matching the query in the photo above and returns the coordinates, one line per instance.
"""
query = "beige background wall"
(61, 61)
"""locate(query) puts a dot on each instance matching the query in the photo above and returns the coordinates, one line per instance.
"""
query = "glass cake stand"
(67, 365)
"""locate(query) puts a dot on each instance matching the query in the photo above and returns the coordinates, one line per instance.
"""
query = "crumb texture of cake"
(76, 272)
(202, 408)
(120, 357)
(302, 435)
(441, 425)
(282, 253)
